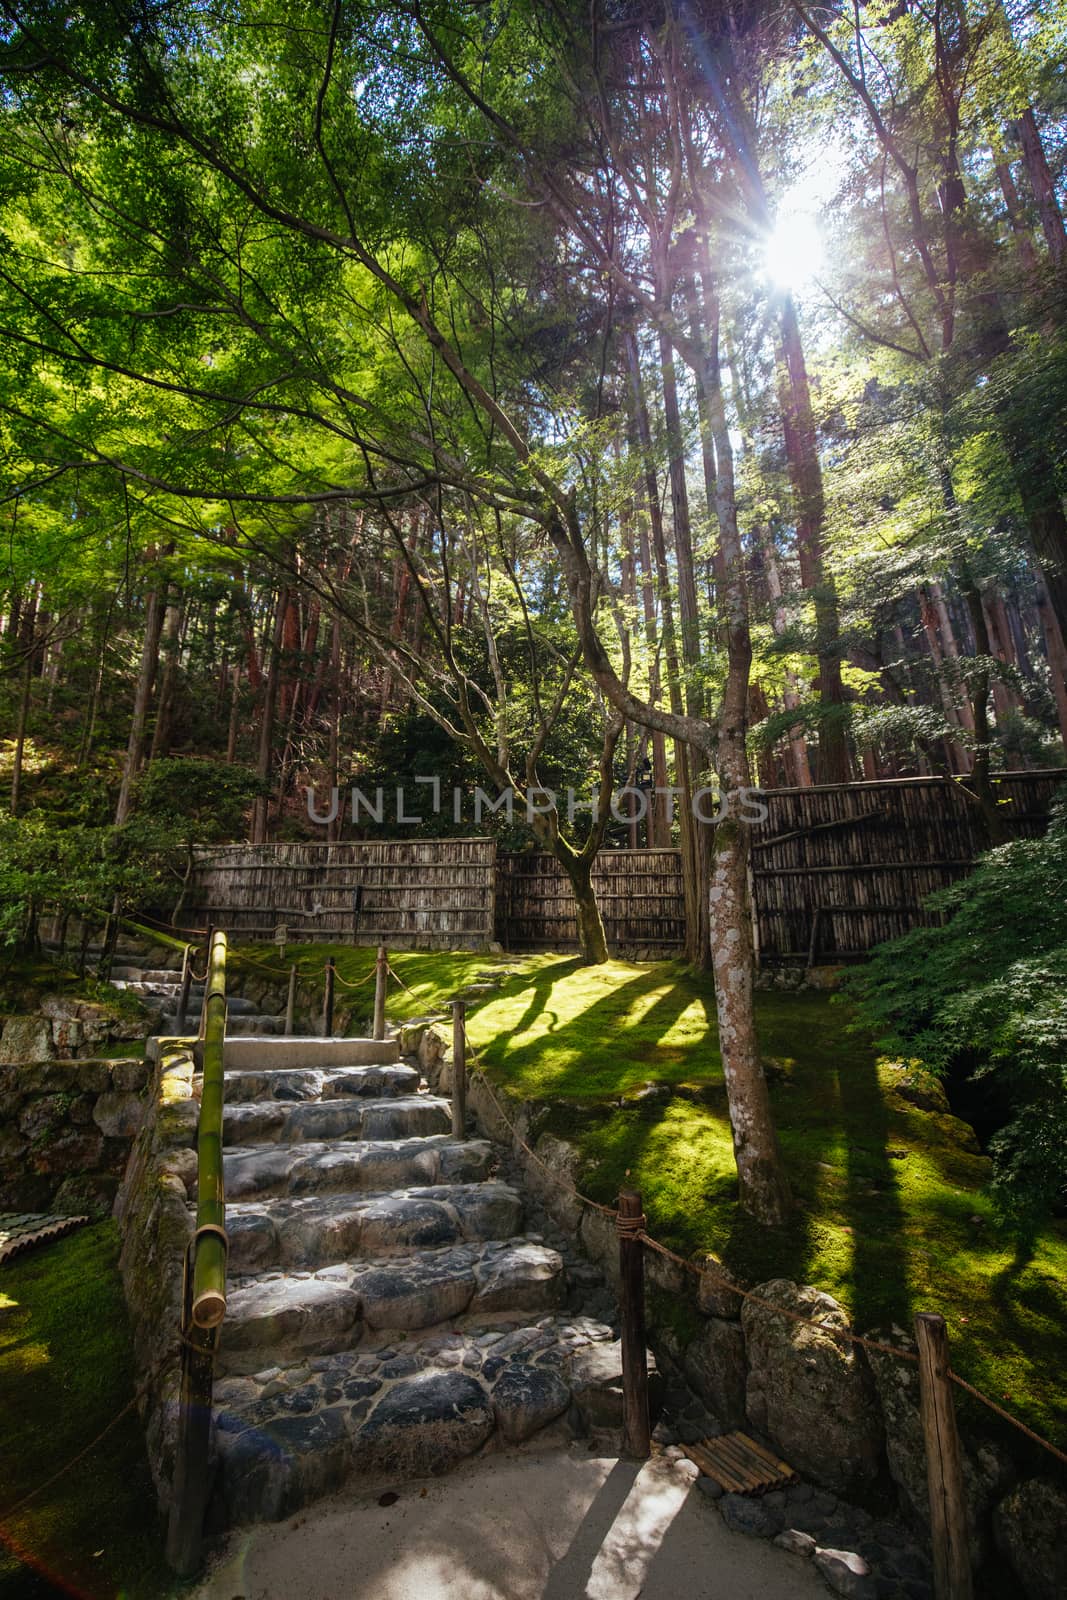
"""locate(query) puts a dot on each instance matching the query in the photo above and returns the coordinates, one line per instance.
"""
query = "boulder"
(920, 1088)
(594, 1375)
(70, 1151)
(527, 1277)
(810, 1392)
(425, 1423)
(715, 1298)
(985, 1476)
(847, 1574)
(26, 1040)
(1029, 1527)
(526, 1399)
(715, 1366)
(118, 1115)
(754, 1517)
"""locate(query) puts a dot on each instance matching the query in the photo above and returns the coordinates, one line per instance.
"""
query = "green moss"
(425, 980)
(65, 1372)
(892, 1214)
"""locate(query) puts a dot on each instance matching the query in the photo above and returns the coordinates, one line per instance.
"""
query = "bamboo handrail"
(204, 1287)
(209, 1266)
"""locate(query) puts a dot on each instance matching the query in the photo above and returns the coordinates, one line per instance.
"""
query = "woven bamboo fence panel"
(639, 893)
(417, 894)
(837, 870)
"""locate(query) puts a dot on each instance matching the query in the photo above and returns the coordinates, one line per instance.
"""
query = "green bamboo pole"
(209, 1269)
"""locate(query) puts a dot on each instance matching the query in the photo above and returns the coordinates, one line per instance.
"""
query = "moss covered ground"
(65, 1373)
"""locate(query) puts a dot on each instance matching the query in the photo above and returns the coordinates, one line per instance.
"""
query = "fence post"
(637, 1440)
(290, 1004)
(381, 975)
(327, 1000)
(944, 1471)
(459, 1069)
(183, 993)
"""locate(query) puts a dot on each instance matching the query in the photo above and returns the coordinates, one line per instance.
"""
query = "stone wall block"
(810, 1392)
(26, 1040)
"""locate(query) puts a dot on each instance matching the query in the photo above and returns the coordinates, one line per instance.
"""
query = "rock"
(742, 1515)
(423, 1424)
(118, 1116)
(270, 1472)
(25, 1041)
(985, 1476)
(797, 1543)
(426, 1293)
(1029, 1527)
(715, 1365)
(847, 1574)
(85, 1196)
(525, 1278)
(594, 1375)
(70, 1151)
(710, 1488)
(714, 1296)
(526, 1399)
(561, 1160)
(131, 1075)
(810, 1392)
(920, 1088)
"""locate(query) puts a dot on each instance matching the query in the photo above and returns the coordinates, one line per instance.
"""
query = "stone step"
(292, 1434)
(242, 1024)
(319, 1083)
(305, 1051)
(316, 1230)
(260, 1171)
(279, 1318)
(348, 1117)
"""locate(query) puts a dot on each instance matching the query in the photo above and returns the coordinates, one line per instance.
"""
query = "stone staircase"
(386, 1309)
(159, 989)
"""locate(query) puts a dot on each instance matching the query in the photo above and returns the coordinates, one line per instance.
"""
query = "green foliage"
(196, 801)
(987, 992)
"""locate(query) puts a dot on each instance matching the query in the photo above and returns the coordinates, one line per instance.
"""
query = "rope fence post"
(944, 1470)
(459, 1069)
(327, 999)
(290, 1004)
(630, 1224)
(183, 993)
(381, 977)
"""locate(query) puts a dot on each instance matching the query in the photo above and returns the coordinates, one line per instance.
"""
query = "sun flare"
(793, 253)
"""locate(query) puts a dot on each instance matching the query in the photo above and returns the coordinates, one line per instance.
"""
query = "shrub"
(987, 993)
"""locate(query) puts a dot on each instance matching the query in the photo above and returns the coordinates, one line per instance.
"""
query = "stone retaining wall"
(846, 1418)
(67, 1115)
(153, 1214)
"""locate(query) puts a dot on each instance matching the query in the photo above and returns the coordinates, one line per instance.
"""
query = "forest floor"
(892, 1215)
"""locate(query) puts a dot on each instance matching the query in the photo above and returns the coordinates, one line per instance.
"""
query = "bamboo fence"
(835, 870)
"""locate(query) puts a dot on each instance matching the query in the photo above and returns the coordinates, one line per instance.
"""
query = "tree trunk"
(1044, 189)
(169, 649)
(142, 693)
(1057, 660)
(266, 727)
(592, 940)
(20, 734)
(805, 475)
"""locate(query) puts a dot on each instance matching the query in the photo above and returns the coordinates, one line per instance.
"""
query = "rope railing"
(704, 1270)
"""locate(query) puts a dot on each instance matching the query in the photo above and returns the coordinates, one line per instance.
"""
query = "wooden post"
(381, 976)
(637, 1438)
(459, 1069)
(290, 1004)
(183, 993)
(327, 999)
(944, 1468)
